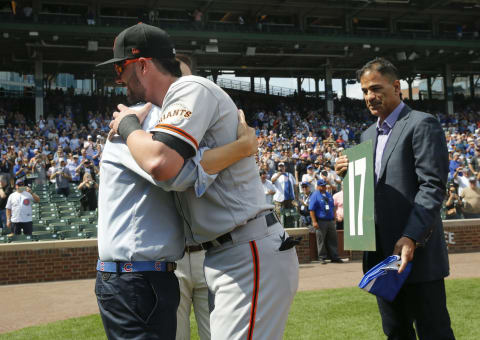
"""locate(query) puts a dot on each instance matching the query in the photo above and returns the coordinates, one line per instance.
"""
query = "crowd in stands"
(298, 148)
(61, 152)
(304, 148)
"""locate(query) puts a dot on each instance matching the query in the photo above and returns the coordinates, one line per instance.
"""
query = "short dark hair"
(171, 66)
(382, 66)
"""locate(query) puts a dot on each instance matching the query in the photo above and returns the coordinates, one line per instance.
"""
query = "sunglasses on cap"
(120, 66)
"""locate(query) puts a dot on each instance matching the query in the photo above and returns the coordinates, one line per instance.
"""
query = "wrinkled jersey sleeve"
(187, 112)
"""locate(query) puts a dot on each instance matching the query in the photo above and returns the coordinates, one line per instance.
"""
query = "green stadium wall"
(76, 259)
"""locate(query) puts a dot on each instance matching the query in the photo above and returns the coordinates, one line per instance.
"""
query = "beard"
(135, 90)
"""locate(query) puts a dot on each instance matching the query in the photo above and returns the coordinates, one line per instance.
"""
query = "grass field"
(343, 314)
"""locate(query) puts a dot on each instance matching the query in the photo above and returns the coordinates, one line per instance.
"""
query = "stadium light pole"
(472, 86)
(429, 87)
(328, 88)
(38, 86)
(448, 89)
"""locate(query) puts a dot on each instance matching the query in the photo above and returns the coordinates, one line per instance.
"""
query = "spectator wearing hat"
(285, 184)
(20, 169)
(310, 177)
(454, 164)
(268, 188)
(471, 199)
(19, 209)
(62, 178)
(72, 164)
(322, 209)
(303, 203)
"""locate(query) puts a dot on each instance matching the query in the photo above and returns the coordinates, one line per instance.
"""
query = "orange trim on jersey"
(179, 131)
(256, 288)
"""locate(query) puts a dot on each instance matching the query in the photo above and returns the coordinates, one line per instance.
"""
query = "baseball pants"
(193, 289)
(251, 283)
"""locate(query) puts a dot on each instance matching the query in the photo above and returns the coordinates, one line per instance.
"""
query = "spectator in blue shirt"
(20, 169)
(322, 209)
(454, 163)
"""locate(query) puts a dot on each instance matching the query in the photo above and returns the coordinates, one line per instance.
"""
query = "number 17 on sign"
(358, 199)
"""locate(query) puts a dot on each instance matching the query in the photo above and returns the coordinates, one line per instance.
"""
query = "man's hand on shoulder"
(125, 111)
(405, 247)
(341, 166)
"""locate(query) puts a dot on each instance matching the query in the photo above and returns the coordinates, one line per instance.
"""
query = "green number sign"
(358, 203)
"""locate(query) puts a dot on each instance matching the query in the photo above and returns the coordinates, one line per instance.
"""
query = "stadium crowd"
(305, 148)
(297, 150)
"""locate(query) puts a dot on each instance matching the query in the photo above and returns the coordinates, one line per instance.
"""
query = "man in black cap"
(231, 220)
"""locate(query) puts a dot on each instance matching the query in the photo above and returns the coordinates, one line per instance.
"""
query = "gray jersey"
(138, 221)
(200, 113)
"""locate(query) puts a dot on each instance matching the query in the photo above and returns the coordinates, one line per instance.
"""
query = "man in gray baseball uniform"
(251, 266)
(141, 234)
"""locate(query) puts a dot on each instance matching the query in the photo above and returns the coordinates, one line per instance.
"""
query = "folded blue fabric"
(384, 280)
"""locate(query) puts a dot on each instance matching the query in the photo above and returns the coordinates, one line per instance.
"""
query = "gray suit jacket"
(409, 193)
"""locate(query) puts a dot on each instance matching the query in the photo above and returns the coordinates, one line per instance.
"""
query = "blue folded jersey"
(384, 280)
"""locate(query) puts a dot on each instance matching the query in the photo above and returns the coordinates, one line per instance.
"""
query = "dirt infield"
(38, 303)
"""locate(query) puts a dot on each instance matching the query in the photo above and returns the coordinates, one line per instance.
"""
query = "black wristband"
(127, 125)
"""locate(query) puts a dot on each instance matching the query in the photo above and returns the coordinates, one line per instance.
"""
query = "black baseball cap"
(141, 40)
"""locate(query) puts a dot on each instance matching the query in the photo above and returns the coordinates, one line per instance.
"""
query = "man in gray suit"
(411, 167)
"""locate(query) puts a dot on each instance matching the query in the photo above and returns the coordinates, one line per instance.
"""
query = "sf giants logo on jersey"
(175, 114)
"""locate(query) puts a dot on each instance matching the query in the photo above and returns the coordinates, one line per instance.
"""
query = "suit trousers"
(423, 304)
(327, 244)
(193, 289)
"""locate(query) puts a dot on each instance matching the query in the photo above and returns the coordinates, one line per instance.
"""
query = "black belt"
(191, 249)
(270, 219)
